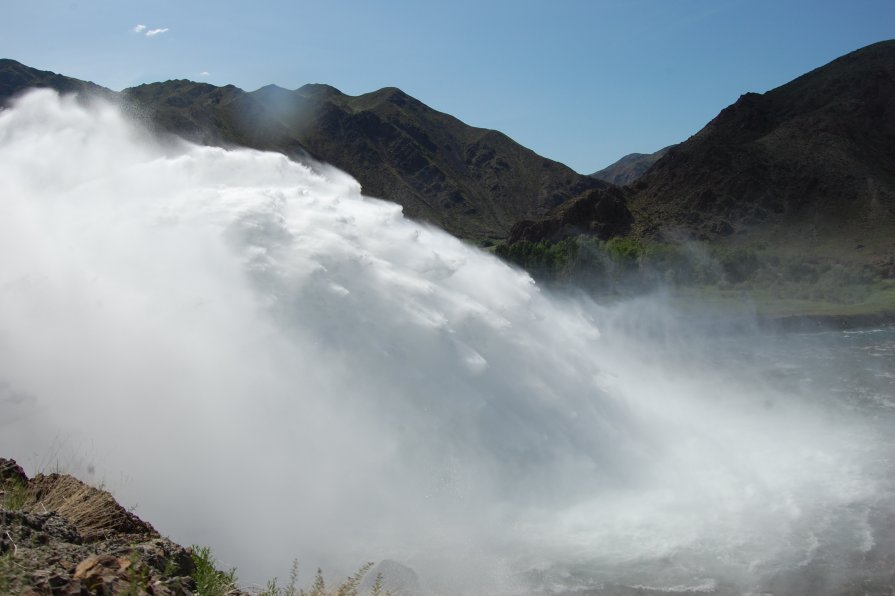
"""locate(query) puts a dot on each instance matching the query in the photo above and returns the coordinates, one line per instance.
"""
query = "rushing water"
(263, 360)
(842, 549)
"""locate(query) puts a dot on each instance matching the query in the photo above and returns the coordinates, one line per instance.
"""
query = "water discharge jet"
(285, 368)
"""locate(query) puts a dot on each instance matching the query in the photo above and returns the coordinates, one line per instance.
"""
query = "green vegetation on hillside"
(777, 284)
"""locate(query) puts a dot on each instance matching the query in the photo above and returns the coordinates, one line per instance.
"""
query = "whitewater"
(263, 360)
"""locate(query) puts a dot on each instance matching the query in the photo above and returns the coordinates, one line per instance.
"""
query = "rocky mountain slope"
(473, 182)
(808, 167)
(794, 184)
(16, 77)
(629, 168)
(813, 161)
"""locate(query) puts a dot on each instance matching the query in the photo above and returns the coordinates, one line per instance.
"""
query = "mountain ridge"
(803, 155)
(473, 182)
(806, 169)
(809, 165)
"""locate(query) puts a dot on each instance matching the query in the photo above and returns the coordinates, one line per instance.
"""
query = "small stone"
(98, 570)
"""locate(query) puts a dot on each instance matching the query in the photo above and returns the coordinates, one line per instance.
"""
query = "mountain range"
(807, 168)
(473, 182)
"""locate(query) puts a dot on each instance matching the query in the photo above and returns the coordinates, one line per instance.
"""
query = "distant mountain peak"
(272, 88)
(630, 167)
(390, 92)
(319, 90)
(391, 95)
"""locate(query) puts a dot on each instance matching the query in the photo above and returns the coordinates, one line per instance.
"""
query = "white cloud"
(204, 73)
(154, 32)
(139, 28)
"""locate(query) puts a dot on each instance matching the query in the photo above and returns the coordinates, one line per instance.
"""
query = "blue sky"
(582, 82)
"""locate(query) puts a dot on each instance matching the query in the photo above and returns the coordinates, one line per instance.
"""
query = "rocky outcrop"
(59, 536)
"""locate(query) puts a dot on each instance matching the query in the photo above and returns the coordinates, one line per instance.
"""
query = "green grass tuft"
(15, 496)
(209, 580)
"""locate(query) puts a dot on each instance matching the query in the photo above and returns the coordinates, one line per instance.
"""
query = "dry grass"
(94, 512)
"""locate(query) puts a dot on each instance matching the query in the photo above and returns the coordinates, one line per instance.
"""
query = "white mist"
(267, 362)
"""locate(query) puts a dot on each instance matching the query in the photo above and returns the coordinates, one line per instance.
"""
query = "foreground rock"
(59, 536)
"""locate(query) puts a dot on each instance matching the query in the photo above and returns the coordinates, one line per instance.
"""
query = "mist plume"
(283, 368)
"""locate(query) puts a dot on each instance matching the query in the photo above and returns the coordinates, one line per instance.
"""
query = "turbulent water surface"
(261, 359)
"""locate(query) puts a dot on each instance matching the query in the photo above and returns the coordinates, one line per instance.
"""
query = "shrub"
(210, 581)
(542, 259)
(625, 251)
